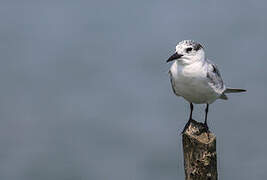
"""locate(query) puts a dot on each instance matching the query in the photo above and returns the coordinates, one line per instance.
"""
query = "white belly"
(193, 85)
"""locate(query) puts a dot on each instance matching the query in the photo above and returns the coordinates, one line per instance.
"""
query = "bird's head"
(188, 52)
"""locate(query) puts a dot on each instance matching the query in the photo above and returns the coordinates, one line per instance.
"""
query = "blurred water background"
(85, 92)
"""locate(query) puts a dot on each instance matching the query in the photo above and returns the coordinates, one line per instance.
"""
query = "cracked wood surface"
(199, 147)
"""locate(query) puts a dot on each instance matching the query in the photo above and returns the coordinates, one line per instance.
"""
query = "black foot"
(206, 127)
(186, 126)
(207, 130)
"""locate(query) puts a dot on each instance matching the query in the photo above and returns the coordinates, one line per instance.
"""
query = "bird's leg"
(206, 117)
(191, 111)
(190, 117)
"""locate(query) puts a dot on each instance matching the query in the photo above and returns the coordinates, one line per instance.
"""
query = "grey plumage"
(215, 79)
(214, 76)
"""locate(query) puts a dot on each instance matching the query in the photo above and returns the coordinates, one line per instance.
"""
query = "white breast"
(190, 82)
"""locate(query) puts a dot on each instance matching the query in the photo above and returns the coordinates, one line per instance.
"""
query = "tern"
(195, 78)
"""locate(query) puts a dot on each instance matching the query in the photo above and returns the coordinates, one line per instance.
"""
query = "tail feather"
(234, 90)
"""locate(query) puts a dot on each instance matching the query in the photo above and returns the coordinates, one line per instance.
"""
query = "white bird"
(196, 78)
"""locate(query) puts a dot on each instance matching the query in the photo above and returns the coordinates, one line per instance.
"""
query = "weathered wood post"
(199, 147)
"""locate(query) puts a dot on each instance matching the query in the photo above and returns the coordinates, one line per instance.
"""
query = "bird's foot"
(207, 130)
(206, 127)
(186, 126)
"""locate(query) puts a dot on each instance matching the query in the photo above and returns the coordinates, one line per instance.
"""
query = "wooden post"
(200, 161)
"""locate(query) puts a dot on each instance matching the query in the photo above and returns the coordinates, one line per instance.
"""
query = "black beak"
(174, 56)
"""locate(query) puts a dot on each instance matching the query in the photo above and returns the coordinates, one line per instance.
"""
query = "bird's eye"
(188, 49)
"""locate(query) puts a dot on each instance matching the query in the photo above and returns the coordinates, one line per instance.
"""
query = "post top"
(198, 131)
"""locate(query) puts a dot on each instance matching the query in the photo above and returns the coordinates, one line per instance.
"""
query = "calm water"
(85, 92)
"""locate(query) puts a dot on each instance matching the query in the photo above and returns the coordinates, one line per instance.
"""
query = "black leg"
(190, 117)
(206, 116)
(191, 111)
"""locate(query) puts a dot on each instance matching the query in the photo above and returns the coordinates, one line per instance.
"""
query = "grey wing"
(214, 77)
(172, 83)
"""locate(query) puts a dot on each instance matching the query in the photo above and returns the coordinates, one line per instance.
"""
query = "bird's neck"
(191, 63)
(184, 69)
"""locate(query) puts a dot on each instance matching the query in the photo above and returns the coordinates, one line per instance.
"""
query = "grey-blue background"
(85, 92)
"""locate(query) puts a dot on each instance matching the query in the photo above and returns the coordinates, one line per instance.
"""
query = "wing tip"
(234, 90)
